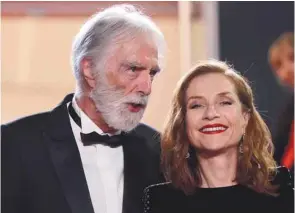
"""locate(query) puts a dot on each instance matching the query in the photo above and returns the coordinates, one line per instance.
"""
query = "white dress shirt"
(103, 167)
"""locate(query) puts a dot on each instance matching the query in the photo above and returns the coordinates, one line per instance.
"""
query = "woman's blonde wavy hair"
(256, 166)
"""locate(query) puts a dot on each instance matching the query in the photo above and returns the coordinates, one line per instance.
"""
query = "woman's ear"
(86, 67)
(246, 116)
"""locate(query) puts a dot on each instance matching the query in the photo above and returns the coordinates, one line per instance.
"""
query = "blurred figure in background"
(91, 154)
(281, 59)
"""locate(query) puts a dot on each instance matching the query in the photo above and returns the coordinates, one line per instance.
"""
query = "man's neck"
(219, 170)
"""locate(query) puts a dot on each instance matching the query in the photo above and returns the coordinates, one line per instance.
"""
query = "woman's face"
(215, 120)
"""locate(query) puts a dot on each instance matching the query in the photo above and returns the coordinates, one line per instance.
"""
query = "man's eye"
(133, 68)
(153, 72)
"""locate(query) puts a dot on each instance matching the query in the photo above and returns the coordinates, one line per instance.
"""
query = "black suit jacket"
(42, 171)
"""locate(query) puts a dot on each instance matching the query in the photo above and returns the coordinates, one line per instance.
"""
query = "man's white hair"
(98, 36)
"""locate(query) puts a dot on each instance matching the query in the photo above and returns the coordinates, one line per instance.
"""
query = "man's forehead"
(144, 52)
(141, 57)
(137, 49)
(137, 58)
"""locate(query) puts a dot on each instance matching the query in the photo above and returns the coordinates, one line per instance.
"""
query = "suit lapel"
(135, 173)
(66, 159)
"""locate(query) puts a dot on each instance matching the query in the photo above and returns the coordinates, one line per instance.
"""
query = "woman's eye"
(195, 106)
(226, 103)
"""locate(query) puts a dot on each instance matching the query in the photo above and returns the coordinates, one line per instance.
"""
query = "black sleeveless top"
(164, 198)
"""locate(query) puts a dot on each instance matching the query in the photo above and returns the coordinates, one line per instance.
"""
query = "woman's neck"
(219, 170)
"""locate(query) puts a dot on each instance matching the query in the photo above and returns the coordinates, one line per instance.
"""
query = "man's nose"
(144, 84)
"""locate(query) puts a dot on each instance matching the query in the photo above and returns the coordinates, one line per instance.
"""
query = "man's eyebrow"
(133, 63)
(141, 66)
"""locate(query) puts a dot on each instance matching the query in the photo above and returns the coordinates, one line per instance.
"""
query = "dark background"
(247, 29)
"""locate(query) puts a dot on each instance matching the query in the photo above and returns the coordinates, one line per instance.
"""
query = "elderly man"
(90, 154)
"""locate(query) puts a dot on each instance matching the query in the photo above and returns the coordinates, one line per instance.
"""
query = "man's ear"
(86, 67)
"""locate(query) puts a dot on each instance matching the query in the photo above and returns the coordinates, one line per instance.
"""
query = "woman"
(217, 150)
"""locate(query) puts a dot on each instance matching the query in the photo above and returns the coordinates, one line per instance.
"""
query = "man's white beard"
(112, 104)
